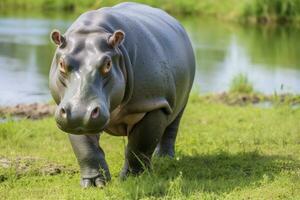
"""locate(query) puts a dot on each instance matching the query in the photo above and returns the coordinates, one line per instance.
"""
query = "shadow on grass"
(212, 173)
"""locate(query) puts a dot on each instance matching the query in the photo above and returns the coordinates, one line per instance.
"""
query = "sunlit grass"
(222, 152)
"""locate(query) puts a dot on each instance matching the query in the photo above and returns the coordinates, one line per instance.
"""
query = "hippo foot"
(98, 182)
(130, 172)
(164, 151)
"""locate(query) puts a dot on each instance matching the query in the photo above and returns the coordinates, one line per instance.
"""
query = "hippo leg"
(91, 159)
(166, 146)
(142, 141)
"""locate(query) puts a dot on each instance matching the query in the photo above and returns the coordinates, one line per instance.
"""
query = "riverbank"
(42, 110)
(222, 152)
(255, 11)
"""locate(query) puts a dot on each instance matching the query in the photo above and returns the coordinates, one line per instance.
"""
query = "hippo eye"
(62, 66)
(106, 67)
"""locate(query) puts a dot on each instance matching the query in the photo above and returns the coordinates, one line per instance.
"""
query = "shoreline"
(41, 110)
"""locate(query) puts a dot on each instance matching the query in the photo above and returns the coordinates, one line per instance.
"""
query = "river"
(268, 55)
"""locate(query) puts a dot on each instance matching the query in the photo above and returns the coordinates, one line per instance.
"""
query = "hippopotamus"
(126, 70)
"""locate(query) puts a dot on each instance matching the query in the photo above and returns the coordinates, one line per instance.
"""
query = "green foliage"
(241, 84)
(272, 10)
(222, 152)
(238, 10)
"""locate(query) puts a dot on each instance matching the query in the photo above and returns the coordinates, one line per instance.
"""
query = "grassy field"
(263, 11)
(222, 152)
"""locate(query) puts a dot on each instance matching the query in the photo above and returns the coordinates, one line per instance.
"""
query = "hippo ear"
(116, 38)
(57, 38)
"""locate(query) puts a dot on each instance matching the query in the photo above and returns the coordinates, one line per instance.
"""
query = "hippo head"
(87, 79)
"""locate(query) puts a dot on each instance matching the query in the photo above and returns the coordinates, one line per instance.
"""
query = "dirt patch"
(235, 99)
(30, 111)
(33, 166)
(245, 99)
(5, 163)
(55, 169)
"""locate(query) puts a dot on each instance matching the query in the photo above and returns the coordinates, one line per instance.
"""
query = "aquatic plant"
(241, 84)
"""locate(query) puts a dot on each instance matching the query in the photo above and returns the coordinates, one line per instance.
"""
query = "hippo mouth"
(81, 130)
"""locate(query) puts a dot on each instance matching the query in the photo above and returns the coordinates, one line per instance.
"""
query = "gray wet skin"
(126, 70)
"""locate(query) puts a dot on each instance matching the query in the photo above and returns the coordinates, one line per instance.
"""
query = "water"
(25, 57)
(267, 55)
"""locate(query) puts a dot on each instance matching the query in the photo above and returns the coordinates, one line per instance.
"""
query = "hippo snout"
(81, 119)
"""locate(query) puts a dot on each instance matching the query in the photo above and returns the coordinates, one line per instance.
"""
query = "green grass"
(222, 152)
(237, 10)
(241, 84)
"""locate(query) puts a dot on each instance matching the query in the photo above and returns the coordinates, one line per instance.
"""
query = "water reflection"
(268, 55)
(25, 56)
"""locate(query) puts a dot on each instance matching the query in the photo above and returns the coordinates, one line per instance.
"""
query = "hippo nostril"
(95, 113)
(63, 113)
